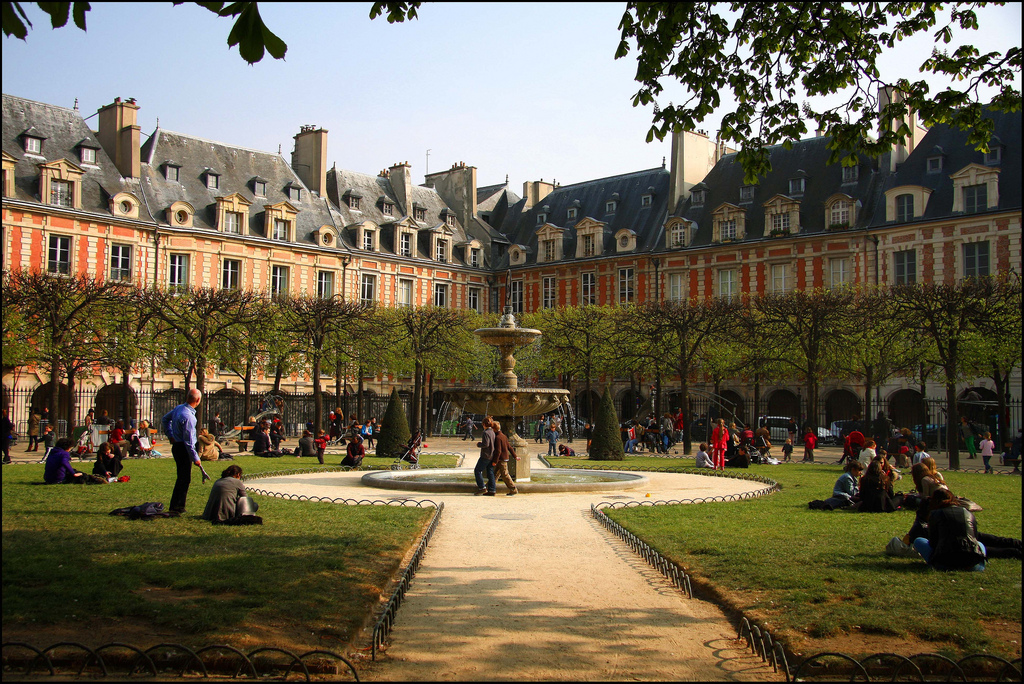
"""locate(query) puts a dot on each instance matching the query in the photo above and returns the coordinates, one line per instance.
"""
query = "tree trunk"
(1001, 381)
(127, 415)
(318, 399)
(684, 386)
(54, 391)
(657, 395)
(359, 395)
(278, 372)
(417, 387)
(72, 403)
(429, 422)
(869, 383)
(188, 375)
(952, 423)
(201, 412)
(757, 399)
(339, 380)
(247, 399)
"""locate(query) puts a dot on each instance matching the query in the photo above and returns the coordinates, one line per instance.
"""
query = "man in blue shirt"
(180, 427)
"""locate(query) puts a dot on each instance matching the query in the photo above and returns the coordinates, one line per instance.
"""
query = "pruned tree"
(314, 322)
(62, 314)
(606, 444)
(803, 330)
(949, 315)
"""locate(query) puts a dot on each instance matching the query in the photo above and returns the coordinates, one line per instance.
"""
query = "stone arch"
(41, 399)
(629, 402)
(981, 406)
(231, 404)
(110, 398)
(740, 406)
(581, 404)
(164, 401)
(841, 404)
(907, 408)
(783, 402)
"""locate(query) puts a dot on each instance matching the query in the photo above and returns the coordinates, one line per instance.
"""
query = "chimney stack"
(401, 182)
(535, 191)
(694, 154)
(120, 136)
(309, 159)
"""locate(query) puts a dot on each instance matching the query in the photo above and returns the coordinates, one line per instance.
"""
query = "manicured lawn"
(821, 580)
(308, 578)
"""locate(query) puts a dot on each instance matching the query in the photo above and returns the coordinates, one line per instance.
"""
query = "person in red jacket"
(719, 439)
(810, 441)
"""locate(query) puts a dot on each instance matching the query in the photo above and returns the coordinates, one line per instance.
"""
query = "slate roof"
(63, 131)
(520, 226)
(956, 155)
(807, 159)
(238, 167)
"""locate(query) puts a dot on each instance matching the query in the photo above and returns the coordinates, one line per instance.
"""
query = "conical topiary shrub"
(607, 442)
(394, 428)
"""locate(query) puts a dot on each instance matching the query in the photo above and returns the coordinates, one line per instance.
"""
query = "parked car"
(778, 428)
(929, 433)
(838, 429)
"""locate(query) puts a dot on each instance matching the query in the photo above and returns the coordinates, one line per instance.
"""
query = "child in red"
(321, 445)
(719, 439)
(810, 441)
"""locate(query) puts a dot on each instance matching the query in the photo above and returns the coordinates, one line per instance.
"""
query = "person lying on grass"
(228, 502)
(58, 468)
(953, 541)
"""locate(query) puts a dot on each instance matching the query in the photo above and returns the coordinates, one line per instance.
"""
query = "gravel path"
(531, 587)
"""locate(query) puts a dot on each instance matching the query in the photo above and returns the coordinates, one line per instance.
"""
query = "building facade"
(175, 209)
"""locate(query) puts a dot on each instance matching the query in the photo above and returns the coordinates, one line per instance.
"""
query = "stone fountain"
(505, 401)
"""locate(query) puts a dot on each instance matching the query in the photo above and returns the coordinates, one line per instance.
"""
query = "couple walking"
(495, 451)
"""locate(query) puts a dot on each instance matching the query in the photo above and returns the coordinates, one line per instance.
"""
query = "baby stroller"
(410, 452)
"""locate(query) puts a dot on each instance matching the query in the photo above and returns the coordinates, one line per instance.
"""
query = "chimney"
(309, 159)
(120, 136)
(535, 191)
(694, 154)
(457, 187)
(899, 153)
(401, 183)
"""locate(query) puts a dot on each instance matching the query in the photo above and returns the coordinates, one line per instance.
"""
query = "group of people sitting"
(106, 468)
(657, 436)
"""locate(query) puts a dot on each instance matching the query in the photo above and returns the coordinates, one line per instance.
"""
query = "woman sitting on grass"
(927, 479)
(876, 490)
(846, 491)
(58, 468)
(703, 458)
(952, 542)
(228, 503)
(354, 453)
(108, 461)
(261, 444)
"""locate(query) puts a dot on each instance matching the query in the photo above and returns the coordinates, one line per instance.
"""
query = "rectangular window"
(976, 260)
(975, 198)
(368, 288)
(324, 284)
(353, 202)
(88, 155)
(212, 181)
(442, 251)
(474, 257)
(233, 222)
(780, 278)
(120, 262)
(515, 298)
(572, 213)
(698, 198)
(905, 267)
(588, 245)
(678, 235)
(368, 240)
(280, 229)
(840, 214)
(746, 193)
(419, 214)
(934, 164)
(780, 223)
(645, 201)
(473, 299)
(260, 188)
(796, 186)
(625, 285)
(993, 156)
(278, 280)
(405, 244)
(59, 257)
(729, 229)
(541, 219)
(549, 250)
(33, 145)
(389, 209)
(609, 207)
(61, 193)
(850, 174)
(404, 293)
(839, 272)
(727, 284)
(172, 173)
(588, 289)
(904, 208)
(548, 292)
(231, 274)
(178, 270)
(440, 294)
(675, 287)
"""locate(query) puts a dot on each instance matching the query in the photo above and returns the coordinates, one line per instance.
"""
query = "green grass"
(309, 576)
(820, 576)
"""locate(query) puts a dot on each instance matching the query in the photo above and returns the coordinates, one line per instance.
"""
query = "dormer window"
(172, 172)
(368, 239)
(698, 197)
(33, 145)
(677, 235)
(588, 245)
(839, 214)
(609, 206)
(353, 202)
(62, 193)
(259, 187)
(441, 251)
(797, 186)
(87, 155)
(572, 213)
(474, 257)
(935, 160)
(280, 230)
(451, 220)
(419, 213)
(542, 218)
(387, 208)
(294, 192)
(548, 247)
(645, 200)
(746, 193)
(850, 174)
(405, 244)
(212, 180)
(994, 155)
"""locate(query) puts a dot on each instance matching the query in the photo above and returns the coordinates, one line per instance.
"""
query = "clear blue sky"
(528, 90)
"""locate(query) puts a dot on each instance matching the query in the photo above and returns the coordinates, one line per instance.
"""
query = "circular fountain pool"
(446, 481)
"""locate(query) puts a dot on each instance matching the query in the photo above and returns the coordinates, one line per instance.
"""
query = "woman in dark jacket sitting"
(952, 542)
(876, 490)
(228, 502)
(108, 461)
(355, 453)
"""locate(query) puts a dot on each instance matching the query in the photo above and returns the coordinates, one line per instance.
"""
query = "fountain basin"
(449, 482)
(507, 401)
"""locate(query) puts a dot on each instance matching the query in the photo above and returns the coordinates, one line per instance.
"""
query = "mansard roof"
(520, 226)
(956, 154)
(236, 166)
(806, 159)
(63, 131)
